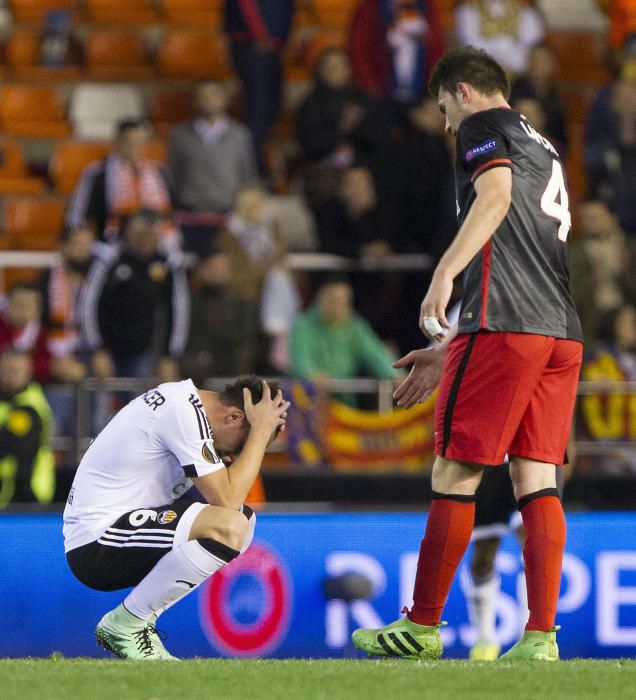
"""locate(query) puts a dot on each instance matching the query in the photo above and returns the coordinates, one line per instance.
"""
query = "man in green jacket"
(330, 341)
(27, 468)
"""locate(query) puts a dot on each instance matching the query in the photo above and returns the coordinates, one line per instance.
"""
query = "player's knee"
(233, 530)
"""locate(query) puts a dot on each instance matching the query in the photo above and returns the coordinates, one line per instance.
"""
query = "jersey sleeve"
(184, 430)
(482, 145)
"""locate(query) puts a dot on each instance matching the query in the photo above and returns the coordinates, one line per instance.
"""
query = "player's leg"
(448, 529)
(539, 445)
(482, 599)
(205, 539)
(495, 514)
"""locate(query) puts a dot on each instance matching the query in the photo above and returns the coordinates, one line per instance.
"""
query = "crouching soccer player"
(125, 524)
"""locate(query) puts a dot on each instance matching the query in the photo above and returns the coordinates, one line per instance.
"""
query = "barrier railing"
(83, 395)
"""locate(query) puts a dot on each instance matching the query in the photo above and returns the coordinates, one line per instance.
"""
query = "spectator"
(22, 329)
(120, 185)
(532, 109)
(610, 416)
(330, 341)
(223, 325)
(210, 158)
(256, 253)
(135, 305)
(603, 266)
(27, 467)
(337, 120)
(539, 83)
(610, 153)
(258, 30)
(393, 45)
(349, 224)
(505, 30)
(60, 286)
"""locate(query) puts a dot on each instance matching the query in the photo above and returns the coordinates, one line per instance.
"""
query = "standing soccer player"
(125, 523)
(509, 370)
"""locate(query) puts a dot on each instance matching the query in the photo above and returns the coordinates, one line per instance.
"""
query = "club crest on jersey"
(209, 455)
(484, 147)
(166, 516)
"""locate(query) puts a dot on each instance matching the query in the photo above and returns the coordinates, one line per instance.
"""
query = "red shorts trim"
(507, 394)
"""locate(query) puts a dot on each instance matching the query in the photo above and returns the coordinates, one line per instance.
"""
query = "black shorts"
(496, 507)
(132, 545)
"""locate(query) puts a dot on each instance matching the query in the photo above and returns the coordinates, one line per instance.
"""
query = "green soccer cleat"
(401, 638)
(534, 646)
(484, 651)
(128, 637)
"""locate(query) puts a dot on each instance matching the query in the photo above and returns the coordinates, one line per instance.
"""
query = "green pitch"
(76, 679)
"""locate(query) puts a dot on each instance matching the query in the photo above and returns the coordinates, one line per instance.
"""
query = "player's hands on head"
(433, 319)
(270, 413)
(423, 377)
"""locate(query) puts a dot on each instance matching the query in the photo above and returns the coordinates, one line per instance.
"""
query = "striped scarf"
(63, 290)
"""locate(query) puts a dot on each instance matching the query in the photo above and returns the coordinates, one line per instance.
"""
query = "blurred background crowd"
(207, 188)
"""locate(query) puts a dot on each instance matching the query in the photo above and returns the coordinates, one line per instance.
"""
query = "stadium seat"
(23, 56)
(14, 173)
(188, 53)
(33, 223)
(117, 55)
(69, 160)
(156, 150)
(96, 108)
(194, 13)
(333, 14)
(32, 111)
(33, 10)
(169, 107)
(121, 11)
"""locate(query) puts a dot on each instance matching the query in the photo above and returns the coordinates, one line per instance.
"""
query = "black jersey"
(519, 281)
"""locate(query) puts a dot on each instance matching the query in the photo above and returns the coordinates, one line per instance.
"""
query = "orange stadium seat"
(156, 150)
(121, 11)
(33, 10)
(14, 173)
(333, 14)
(33, 223)
(194, 54)
(169, 107)
(69, 160)
(207, 13)
(32, 111)
(23, 56)
(117, 55)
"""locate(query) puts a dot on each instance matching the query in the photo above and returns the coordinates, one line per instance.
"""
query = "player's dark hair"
(468, 64)
(232, 394)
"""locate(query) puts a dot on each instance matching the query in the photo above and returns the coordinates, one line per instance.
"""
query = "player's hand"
(423, 377)
(269, 414)
(434, 306)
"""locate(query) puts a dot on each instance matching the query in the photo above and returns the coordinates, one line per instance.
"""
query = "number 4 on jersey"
(559, 210)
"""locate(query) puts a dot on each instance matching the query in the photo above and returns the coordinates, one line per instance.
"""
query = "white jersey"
(144, 458)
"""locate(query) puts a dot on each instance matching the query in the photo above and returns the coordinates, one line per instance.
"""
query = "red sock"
(448, 530)
(544, 523)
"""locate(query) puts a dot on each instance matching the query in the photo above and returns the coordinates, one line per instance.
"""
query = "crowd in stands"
(278, 126)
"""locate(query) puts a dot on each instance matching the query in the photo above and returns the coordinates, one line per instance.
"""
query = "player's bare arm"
(229, 487)
(494, 192)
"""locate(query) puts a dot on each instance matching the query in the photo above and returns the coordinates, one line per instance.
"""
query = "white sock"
(482, 608)
(522, 598)
(176, 574)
